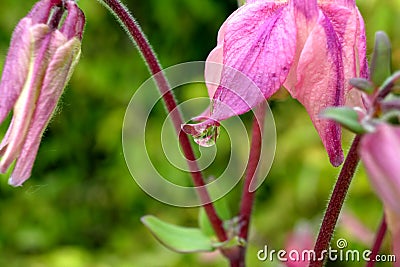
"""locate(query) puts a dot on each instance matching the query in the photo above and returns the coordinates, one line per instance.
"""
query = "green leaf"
(362, 84)
(381, 59)
(178, 238)
(345, 116)
(222, 209)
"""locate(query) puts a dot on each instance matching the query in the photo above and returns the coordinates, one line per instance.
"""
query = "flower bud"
(43, 52)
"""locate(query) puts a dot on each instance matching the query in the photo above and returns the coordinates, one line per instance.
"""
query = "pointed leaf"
(390, 85)
(347, 117)
(381, 59)
(390, 105)
(362, 84)
(178, 238)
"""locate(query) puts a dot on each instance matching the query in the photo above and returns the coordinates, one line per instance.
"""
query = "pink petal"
(74, 22)
(349, 27)
(55, 80)
(25, 104)
(306, 16)
(16, 67)
(320, 83)
(259, 46)
(349, 3)
(214, 65)
(380, 154)
(361, 45)
(5, 141)
(213, 68)
(40, 12)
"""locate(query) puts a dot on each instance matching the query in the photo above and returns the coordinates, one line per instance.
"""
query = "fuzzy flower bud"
(43, 52)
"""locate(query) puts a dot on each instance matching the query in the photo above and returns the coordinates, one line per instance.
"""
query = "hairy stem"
(138, 37)
(335, 204)
(378, 242)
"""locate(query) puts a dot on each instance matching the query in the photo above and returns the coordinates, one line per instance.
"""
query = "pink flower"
(39, 63)
(310, 47)
(300, 240)
(380, 153)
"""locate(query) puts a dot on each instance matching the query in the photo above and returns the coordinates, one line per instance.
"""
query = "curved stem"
(335, 204)
(378, 242)
(248, 196)
(138, 37)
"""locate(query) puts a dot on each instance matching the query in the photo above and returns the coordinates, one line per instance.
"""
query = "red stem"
(380, 235)
(135, 32)
(246, 206)
(335, 204)
(247, 200)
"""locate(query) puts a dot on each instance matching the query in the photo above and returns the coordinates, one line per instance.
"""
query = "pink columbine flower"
(310, 47)
(380, 153)
(40, 61)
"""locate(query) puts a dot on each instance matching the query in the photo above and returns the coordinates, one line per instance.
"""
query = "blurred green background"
(81, 206)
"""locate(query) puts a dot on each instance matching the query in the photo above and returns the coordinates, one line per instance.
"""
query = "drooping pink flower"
(40, 61)
(310, 47)
(380, 153)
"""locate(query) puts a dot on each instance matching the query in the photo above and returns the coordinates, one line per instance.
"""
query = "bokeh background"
(81, 206)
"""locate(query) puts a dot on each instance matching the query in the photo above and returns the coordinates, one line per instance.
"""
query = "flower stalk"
(247, 200)
(138, 37)
(380, 235)
(335, 203)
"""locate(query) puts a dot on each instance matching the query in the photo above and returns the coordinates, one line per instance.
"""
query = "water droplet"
(208, 137)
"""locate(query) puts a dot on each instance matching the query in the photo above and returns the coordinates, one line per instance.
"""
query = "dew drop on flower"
(208, 137)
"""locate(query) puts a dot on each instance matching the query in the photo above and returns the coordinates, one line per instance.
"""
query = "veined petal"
(348, 3)
(23, 111)
(213, 66)
(25, 104)
(320, 83)
(16, 67)
(212, 72)
(306, 16)
(57, 75)
(259, 43)
(349, 28)
(308, 9)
